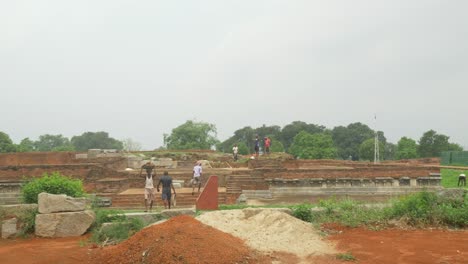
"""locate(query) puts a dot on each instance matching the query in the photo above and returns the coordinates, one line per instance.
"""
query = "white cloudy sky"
(137, 69)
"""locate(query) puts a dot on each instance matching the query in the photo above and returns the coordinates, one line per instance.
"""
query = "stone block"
(242, 199)
(178, 183)
(16, 209)
(81, 156)
(175, 212)
(9, 228)
(64, 224)
(405, 181)
(54, 203)
(146, 218)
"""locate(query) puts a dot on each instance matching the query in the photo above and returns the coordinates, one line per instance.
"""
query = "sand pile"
(181, 239)
(269, 230)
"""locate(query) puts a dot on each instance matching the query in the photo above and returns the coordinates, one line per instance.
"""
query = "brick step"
(9, 195)
(8, 201)
(137, 200)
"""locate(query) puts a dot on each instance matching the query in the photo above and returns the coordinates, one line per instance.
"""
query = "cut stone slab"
(17, 209)
(175, 212)
(146, 218)
(9, 228)
(56, 203)
(64, 224)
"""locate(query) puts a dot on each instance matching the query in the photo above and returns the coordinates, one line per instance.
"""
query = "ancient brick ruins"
(114, 176)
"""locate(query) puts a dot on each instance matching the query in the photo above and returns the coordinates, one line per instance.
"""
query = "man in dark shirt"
(166, 182)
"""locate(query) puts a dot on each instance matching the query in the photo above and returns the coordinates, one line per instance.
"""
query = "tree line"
(311, 141)
(303, 140)
(83, 142)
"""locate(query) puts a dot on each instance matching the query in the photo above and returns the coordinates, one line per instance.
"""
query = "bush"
(303, 212)
(27, 218)
(419, 208)
(120, 229)
(54, 183)
(428, 208)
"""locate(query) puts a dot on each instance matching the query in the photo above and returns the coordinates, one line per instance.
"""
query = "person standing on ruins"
(149, 186)
(235, 150)
(267, 144)
(166, 182)
(256, 145)
(461, 180)
(197, 173)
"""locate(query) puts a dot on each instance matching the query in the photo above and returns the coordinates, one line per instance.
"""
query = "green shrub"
(428, 208)
(54, 183)
(346, 257)
(419, 208)
(120, 229)
(303, 212)
(27, 220)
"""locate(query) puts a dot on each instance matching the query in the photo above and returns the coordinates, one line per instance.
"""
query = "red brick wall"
(35, 158)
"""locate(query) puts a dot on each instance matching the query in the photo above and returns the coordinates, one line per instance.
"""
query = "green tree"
(276, 146)
(349, 139)
(95, 140)
(49, 142)
(268, 131)
(432, 144)
(313, 146)
(244, 135)
(291, 130)
(243, 149)
(407, 148)
(192, 135)
(26, 145)
(390, 151)
(367, 149)
(455, 147)
(6, 145)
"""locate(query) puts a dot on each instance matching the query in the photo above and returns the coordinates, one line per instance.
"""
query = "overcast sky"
(138, 69)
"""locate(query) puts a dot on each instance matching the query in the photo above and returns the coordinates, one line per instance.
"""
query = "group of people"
(166, 182)
(266, 147)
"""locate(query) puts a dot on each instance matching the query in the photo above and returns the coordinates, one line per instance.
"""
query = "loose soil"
(183, 238)
(72, 250)
(390, 246)
(269, 231)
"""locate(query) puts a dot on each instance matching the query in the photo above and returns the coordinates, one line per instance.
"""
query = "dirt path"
(403, 246)
(45, 251)
(383, 247)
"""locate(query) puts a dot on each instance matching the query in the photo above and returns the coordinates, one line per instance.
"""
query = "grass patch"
(346, 212)
(419, 209)
(27, 220)
(450, 177)
(346, 256)
(112, 226)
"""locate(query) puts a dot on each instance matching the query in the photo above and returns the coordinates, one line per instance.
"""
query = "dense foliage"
(52, 143)
(313, 146)
(406, 149)
(432, 144)
(6, 145)
(95, 140)
(367, 149)
(192, 135)
(53, 183)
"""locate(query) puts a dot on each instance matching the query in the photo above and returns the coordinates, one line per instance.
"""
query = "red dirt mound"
(181, 239)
